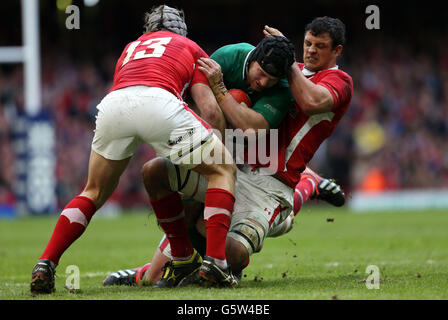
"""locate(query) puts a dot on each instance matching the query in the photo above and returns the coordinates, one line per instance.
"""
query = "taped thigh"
(249, 233)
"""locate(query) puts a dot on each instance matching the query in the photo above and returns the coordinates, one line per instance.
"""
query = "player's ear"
(338, 50)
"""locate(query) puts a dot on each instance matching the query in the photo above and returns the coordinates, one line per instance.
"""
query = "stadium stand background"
(392, 138)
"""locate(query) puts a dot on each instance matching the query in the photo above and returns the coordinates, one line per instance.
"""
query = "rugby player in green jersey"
(260, 72)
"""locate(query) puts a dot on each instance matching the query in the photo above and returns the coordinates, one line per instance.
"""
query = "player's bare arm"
(312, 98)
(318, 55)
(238, 116)
(208, 108)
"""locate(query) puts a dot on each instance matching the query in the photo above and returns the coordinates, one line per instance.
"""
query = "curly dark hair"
(334, 27)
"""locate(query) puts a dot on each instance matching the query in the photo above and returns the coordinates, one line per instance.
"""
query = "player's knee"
(233, 169)
(223, 161)
(218, 171)
(228, 169)
(152, 169)
(155, 177)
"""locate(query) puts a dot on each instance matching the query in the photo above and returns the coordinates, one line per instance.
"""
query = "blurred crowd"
(398, 119)
(71, 93)
(393, 136)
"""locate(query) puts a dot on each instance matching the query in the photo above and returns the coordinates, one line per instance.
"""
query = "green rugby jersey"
(272, 103)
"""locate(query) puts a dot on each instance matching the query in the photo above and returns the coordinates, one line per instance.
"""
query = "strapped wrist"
(220, 91)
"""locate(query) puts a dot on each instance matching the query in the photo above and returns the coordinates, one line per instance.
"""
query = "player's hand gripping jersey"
(160, 59)
(301, 135)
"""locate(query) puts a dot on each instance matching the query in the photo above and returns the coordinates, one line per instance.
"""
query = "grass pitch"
(325, 256)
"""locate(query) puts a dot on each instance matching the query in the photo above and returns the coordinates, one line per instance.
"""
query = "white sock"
(221, 263)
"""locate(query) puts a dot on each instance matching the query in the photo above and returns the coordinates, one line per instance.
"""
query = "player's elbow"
(256, 124)
(310, 107)
(214, 117)
(318, 101)
(316, 105)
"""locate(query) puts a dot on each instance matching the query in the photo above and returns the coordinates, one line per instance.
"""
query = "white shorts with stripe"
(141, 114)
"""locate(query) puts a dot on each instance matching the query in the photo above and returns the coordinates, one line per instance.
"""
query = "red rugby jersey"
(160, 59)
(301, 135)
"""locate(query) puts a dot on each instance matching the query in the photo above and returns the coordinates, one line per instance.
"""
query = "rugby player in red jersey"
(322, 94)
(321, 100)
(145, 105)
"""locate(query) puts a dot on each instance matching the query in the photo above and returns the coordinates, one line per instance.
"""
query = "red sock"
(171, 217)
(141, 273)
(218, 210)
(304, 189)
(71, 224)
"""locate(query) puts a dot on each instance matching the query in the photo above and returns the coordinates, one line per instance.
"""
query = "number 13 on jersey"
(158, 46)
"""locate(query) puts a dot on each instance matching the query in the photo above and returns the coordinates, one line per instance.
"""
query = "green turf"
(318, 259)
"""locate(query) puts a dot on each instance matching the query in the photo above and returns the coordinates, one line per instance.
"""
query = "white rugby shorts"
(261, 198)
(141, 114)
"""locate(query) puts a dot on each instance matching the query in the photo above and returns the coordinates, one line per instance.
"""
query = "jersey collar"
(245, 62)
(308, 73)
(244, 70)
